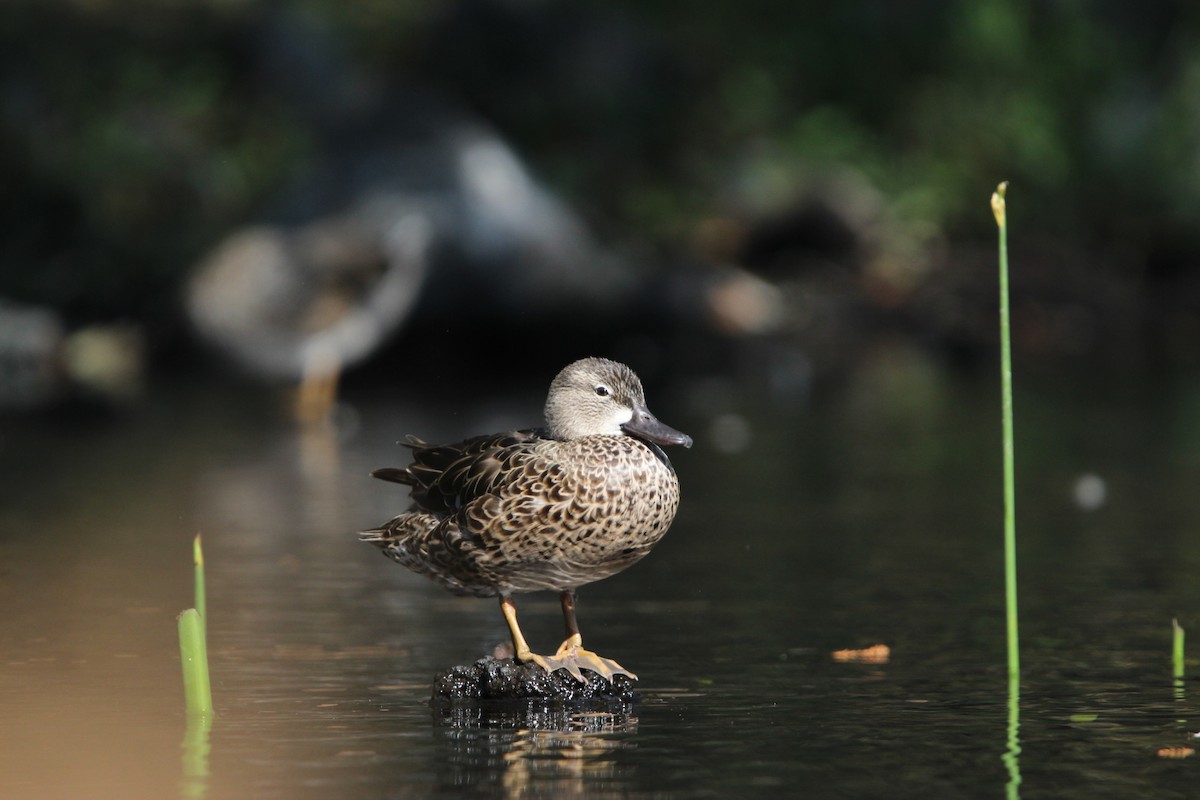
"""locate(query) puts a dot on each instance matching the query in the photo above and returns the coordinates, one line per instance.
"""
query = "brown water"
(868, 513)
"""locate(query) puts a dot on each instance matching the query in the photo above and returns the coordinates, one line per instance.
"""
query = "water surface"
(867, 512)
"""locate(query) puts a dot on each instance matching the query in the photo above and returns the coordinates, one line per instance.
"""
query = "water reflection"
(537, 751)
(1012, 752)
(193, 784)
(1177, 661)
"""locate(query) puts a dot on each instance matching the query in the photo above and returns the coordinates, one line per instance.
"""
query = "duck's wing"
(446, 477)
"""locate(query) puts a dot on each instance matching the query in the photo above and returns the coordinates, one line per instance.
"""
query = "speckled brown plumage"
(553, 508)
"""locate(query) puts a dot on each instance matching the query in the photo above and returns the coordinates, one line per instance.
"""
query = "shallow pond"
(867, 512)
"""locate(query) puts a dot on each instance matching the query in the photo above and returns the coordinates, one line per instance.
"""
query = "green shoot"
(999, 209)
(193, 652)
(1012, 755)
(193, 645)
(198, 570)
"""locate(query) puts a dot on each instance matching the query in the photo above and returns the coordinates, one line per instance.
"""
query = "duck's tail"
(395, 475)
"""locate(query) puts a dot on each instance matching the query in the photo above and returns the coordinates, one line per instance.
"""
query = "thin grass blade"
(201, 596)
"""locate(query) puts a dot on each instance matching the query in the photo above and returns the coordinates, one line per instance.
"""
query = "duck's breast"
(602, 504)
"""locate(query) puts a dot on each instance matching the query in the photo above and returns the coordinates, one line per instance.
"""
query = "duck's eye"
(602, 390)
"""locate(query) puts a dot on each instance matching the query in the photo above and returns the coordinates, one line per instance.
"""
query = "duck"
(542, 509)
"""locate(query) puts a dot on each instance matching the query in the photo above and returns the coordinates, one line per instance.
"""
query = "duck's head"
(598, 396)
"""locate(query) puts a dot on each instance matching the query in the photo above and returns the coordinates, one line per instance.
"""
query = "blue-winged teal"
(553, 508)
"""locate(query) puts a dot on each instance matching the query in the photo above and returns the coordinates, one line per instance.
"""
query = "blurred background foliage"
(136, 133)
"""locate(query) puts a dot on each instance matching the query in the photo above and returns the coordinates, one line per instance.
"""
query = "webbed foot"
(573, 658)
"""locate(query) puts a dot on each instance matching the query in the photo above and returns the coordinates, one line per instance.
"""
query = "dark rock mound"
(493, 679)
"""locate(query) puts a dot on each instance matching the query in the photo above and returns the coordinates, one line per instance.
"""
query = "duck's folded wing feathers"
(444, 478)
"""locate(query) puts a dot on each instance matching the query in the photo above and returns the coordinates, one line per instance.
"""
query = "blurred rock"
(844, 270)
(278, 299)
(444, 215)
(41, 364)
(31, 341)
(107, 360)
(742, 304)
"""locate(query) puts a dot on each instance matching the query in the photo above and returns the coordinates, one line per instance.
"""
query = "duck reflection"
(539, 752)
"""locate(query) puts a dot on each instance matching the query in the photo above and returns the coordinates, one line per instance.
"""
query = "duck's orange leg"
(520, 646)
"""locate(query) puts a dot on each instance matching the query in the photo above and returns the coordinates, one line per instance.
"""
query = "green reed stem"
(193, 652)
(999, 209)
